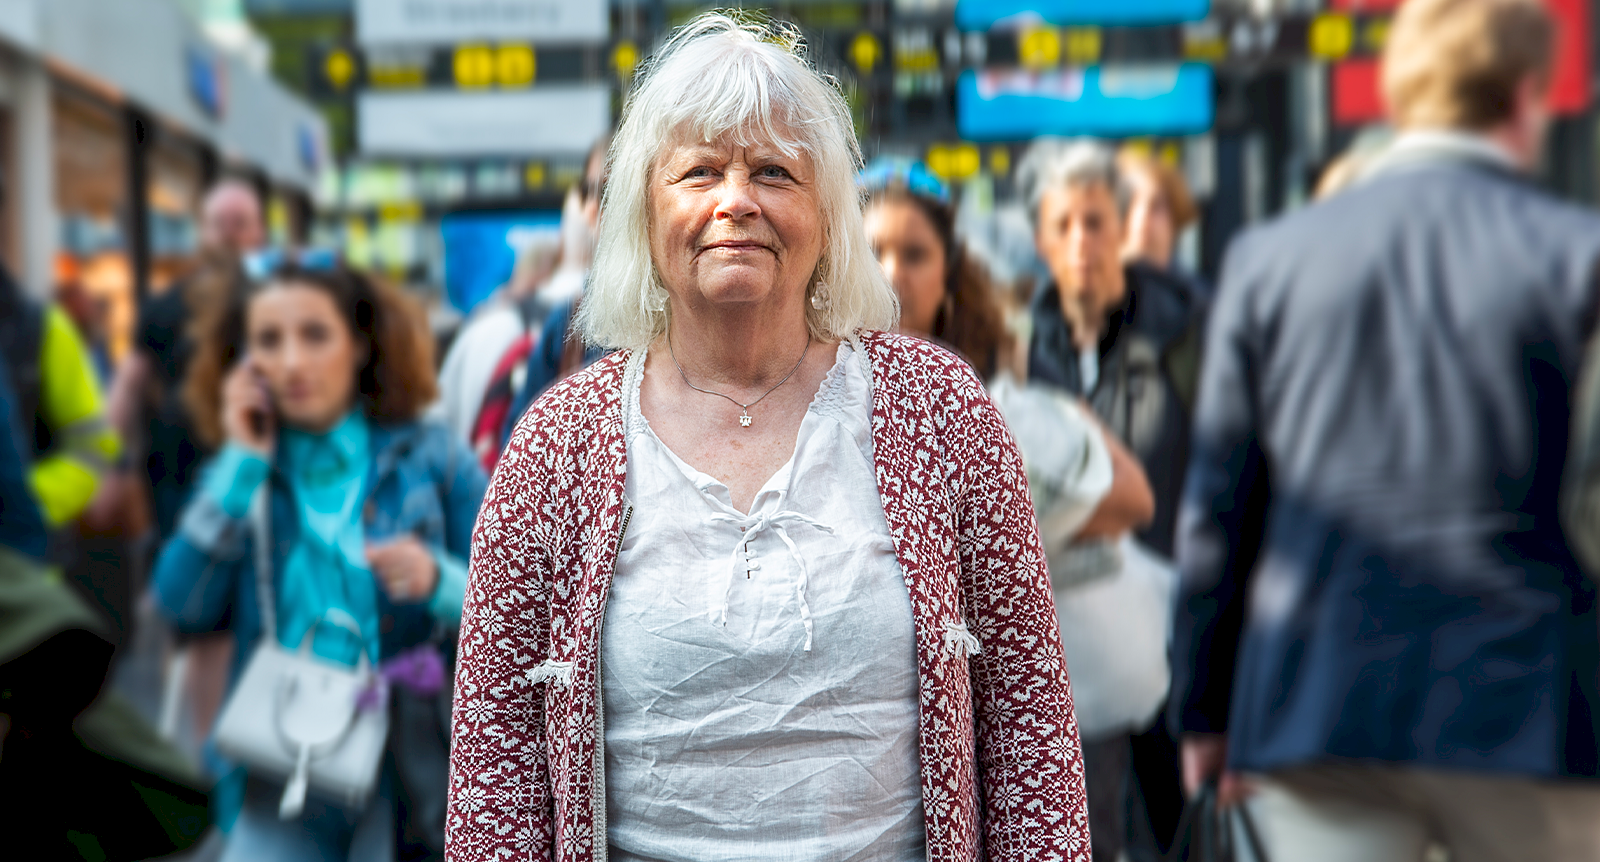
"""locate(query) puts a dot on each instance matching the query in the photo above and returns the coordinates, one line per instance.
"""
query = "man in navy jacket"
(1382, 637)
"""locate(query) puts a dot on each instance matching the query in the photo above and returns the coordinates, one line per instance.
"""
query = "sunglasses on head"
(913, 177)
(263, 264)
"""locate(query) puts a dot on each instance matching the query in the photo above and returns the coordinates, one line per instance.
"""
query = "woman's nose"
(735, 201)
(292, 355)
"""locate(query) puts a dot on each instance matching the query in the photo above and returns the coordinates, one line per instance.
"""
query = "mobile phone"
(260, 419)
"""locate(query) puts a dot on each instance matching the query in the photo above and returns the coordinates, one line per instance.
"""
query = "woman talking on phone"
(310, 385)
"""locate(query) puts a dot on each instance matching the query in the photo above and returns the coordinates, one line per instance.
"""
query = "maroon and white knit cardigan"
(1002, 770)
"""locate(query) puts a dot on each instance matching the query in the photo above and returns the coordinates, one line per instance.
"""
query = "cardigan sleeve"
(499, 803)
(1030, 761)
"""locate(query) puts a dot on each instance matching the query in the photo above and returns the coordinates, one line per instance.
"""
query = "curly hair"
(396, 383)
(970, 319)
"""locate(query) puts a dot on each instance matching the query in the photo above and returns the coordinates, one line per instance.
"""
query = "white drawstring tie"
(551, 671)
(741, 561)
(960, 640)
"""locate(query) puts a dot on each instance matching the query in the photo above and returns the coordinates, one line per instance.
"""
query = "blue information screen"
(986, 14)
(1108, 101)
(480, 250)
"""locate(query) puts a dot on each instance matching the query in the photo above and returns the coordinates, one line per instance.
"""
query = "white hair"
(1054, 163)
(717, 77)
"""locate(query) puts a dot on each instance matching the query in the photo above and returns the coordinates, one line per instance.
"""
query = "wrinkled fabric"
(1002, 771)
(760, 669)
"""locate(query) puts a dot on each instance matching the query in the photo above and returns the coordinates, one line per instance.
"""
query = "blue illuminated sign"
(480, 250)
(1108, 101)
(986, 14)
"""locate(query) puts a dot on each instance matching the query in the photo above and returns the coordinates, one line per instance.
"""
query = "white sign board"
(543, 121)
(444, 22)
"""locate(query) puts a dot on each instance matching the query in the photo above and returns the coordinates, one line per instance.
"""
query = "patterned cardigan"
(1002, 770)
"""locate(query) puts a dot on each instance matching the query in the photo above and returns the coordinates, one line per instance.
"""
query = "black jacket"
(1149, 363)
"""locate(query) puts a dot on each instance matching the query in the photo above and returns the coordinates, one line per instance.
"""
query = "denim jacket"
(423, 482)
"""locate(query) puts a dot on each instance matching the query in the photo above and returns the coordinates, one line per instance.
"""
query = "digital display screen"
(988, 14)
(1108, 101)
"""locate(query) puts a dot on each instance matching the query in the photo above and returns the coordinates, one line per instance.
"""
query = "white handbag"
(1115, 633)
(296, 717)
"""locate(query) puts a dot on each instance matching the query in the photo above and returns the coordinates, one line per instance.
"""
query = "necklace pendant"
(744, 418)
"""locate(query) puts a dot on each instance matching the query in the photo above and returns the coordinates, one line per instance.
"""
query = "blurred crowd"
(1322, 565)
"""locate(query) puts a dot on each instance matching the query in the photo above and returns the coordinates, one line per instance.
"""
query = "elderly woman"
(765, 583)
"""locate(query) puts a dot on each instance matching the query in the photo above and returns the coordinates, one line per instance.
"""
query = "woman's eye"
(265, 340)
(697, 173)
(774, 172)
(316, 333)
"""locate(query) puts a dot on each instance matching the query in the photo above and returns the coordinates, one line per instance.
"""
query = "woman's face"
(734, 225)
(306, 352)
(912, 255)
(1150, 234)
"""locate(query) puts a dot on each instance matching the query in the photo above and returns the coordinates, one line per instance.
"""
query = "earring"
(819, 296)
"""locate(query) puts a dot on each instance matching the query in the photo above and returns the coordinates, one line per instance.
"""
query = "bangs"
(747, 94)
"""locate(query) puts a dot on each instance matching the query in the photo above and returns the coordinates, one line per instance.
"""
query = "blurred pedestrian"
(87, 313)
(946, 296)
(59, 401)
(1125, 337)
(70, 444)
(1160, 209)
(311, 383)
(509, 319)
(560, 350)
(149, 382)
(63, 790)
(1382, 629)
(795, 664)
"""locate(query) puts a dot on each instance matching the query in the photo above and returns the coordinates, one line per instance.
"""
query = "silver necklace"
(744, 409)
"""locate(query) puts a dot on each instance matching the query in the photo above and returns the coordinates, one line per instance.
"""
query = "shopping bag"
(1209, 833)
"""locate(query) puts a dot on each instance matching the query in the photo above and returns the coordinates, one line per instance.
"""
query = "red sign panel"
(1357, 97)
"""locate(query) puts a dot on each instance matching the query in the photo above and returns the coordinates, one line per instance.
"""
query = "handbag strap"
(261, 535)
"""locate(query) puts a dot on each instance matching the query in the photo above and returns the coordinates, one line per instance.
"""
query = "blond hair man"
(1383, 641)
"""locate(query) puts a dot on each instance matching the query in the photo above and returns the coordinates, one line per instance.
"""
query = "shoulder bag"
(295, 717)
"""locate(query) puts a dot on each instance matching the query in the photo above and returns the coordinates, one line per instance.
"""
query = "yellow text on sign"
(1039, 48)
(954, 161)
(865, 51)
(625, 58)
(479, 66)
(340, 67)
(1332, 36)
(1083, 45)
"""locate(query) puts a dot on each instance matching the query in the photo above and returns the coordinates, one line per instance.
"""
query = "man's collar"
(1434, 145)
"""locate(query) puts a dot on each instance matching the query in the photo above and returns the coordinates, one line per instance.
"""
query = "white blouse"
(759, 670)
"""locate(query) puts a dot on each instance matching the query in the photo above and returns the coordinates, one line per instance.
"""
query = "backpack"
(504, 384)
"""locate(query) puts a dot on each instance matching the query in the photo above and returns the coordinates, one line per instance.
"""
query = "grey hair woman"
(765, 582)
